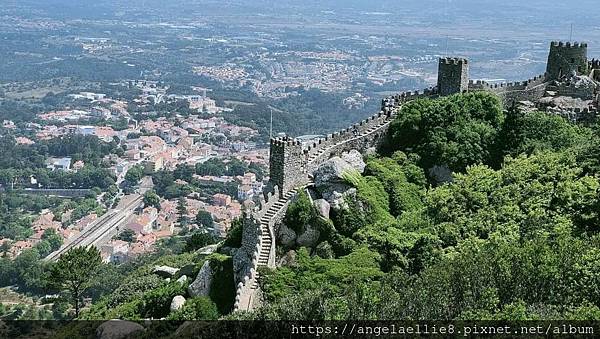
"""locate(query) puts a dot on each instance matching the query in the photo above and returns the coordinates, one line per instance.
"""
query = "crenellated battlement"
(292, 162)
(285, 163)
(453, 61)
(395, 101)
(568, 45)
(253, 241)
(508, 86)
(285, 141)
(453, 76)
(566, 58)
(511, 92)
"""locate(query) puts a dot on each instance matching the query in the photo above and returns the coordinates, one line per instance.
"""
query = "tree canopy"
(74, 271)
(513, 235)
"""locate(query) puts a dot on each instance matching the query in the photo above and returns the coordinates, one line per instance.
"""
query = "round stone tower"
(566, 58)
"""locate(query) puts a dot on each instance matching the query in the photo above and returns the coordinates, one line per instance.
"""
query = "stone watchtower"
(565, 58)
(453, 76)
(286, 164)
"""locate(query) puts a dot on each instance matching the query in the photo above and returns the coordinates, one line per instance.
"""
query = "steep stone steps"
(254, 285)
(266, 240)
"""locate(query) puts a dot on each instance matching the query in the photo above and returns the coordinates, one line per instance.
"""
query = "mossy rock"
(222, 288)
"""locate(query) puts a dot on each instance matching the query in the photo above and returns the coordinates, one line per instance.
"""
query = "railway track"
(98, 230)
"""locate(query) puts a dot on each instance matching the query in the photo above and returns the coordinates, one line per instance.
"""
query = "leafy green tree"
(204, 219)
(54, 239)
(30, 271)
(59, 309)
(184, 172)
(212, 166)
(134, 175)
(539, 131)
(152, 199)
(183, 218)
(236, 167)
(74, 271)
(127, 235)
(43, 248)
(234, 235)
(198, 240)
(455, 131)
(299, 213)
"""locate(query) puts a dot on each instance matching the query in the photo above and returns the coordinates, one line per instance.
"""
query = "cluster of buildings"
(45, 221)
(154, 92)
(249, 187)
(147, 227)
(281, 73)
(102, 107)
(157, 143)
(356, 101)
(104, 133)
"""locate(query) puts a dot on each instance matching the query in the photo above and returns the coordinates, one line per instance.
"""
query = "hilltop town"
(147, 144)
(324, 160)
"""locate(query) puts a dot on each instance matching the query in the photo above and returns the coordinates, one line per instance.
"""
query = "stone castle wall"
(529, 90)
(594, 67)
(292, 164)
(285, 162)
(245, 260)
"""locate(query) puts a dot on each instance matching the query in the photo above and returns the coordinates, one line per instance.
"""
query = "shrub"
(222, 290)
(299, 213)
(198, 240)
(156, 302)
(234, 236)
(199, 308)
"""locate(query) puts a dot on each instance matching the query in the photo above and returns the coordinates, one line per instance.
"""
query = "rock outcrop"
(177, 303)
(117, 329)
(182, 279)
(165, 271)
(330, 182)
(201, 286)
(308, 238)
(355, 159)
(331, 171)
(288, 260)
(337, 194)
(206, 250)
(286, 236)
(323, 207)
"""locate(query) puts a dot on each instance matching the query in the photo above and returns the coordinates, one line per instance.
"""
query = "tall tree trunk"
(76, 300)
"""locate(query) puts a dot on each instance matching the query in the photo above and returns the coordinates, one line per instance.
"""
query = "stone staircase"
(265, 235)
(248, 290)
(248, 293)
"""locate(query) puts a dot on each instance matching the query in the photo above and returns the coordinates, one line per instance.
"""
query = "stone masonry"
(565, 58)
(291, 163)
(453, 76)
